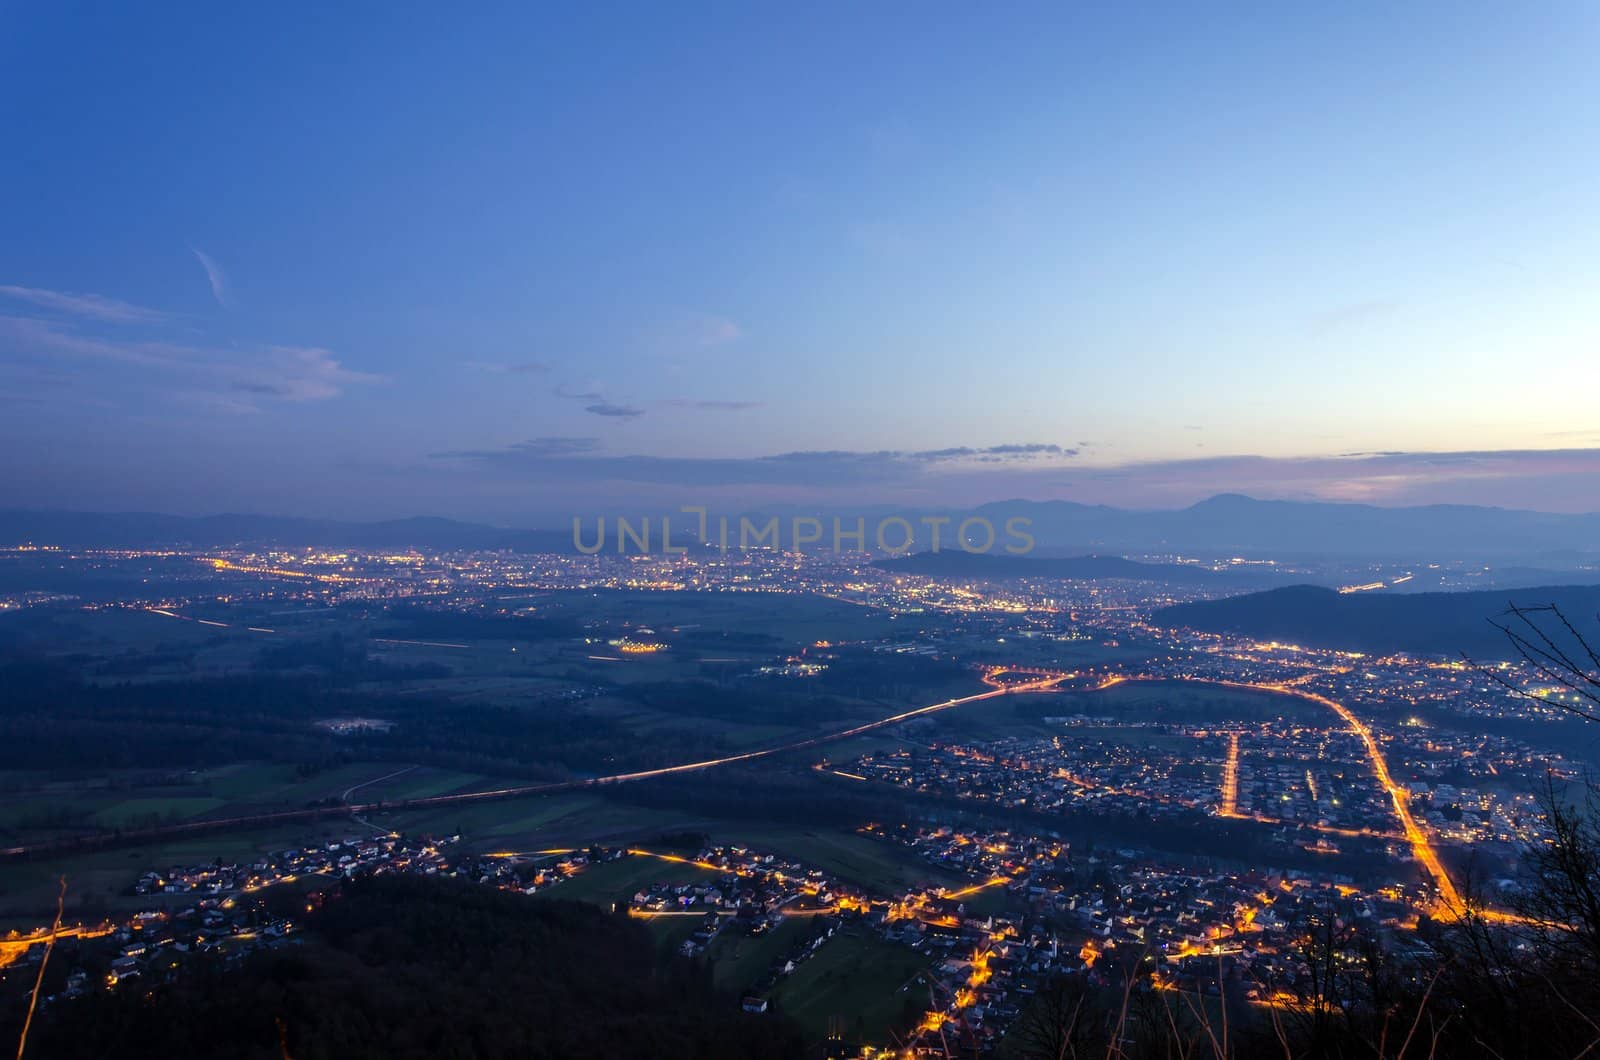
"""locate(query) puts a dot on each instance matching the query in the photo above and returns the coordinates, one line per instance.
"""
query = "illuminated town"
(1338, 792)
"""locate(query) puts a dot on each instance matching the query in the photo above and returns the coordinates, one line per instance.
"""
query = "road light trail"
(1048, 680)
(352, 789)
(14, 946)
(1230, 778)
(832, 737)
(968, 892)
(1421, 846)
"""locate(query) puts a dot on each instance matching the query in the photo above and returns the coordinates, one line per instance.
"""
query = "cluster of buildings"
(389, 852)
(219, 907)
(1110, 915)
(1032, 909)
(1101, 915)
(1047, 774)
(155, 944)
(1289, 775)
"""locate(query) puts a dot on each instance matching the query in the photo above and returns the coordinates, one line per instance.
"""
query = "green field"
(739, 960)
(130, 812)
(613, 881)
(45, 809)
(873, 864)
(1169, 702)
(715, 732)
(536, 821)
(261, 786)
(1180, 701)
(793, 618)
(421, 782)
(856, 983)
(1046, 652)
(97, 880)
(50, 808)
(670, 932)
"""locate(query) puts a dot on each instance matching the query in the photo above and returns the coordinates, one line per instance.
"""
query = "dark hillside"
(1422, 623)
(404, 966)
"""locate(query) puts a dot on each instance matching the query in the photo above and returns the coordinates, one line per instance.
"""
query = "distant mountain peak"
(1224, 500)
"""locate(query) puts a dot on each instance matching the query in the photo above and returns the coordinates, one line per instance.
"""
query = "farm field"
(538, 821)
(871, 985)
(865, 862)
(739, 961)
(98, 879)
(614, 881)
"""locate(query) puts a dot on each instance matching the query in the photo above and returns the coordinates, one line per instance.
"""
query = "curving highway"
(1422, 847)
(990, 678)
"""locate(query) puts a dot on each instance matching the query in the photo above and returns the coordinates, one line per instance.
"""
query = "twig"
(38, 983)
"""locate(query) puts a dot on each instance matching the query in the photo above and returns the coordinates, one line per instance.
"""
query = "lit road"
(1230, 778)
(15, 946)
(352, 789)
(1041, 681)
(1038, 685)
(1421, 846)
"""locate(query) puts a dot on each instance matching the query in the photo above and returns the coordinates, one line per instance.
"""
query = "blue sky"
(381, 260)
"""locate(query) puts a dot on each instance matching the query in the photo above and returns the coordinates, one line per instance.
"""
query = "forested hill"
(1422, 623)
(408, 967)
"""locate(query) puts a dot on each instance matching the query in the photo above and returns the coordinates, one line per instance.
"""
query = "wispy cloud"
(578, 395)
(1543, 480)
(227, 376)
(603, 408)
(598, 405)
(94, 306)
(534, 448)
(1538, 479)
(298, 373)
(215, 276)
(828, 468)
(994, 452)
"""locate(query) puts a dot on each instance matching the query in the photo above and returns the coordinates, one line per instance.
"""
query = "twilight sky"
(512, 265)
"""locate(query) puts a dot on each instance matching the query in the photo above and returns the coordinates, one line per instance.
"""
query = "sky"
(518, 263)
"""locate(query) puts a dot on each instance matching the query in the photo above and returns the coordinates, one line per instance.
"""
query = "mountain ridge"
(1221, 526)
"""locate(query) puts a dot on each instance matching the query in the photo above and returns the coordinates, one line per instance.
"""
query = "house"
(122, 968)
